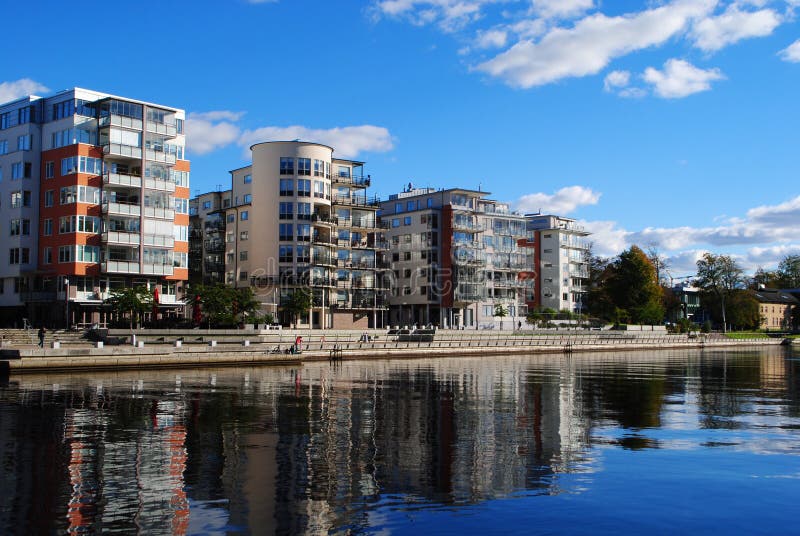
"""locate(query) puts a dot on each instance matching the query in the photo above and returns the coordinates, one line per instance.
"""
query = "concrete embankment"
(167, 349)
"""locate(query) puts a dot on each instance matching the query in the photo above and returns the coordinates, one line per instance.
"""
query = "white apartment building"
(455, 257)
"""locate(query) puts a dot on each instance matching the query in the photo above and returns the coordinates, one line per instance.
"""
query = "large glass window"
(287, 166)
(286, 211)
(287, 187)
(285, 253)
(303, 188)
(286, 231)
(304, 166)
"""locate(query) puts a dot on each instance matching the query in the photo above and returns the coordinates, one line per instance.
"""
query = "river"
(662, 442)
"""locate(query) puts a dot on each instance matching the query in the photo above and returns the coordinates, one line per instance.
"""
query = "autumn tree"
(632, 288)
(719, 276)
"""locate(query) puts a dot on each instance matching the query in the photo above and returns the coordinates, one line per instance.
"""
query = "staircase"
(16, 338)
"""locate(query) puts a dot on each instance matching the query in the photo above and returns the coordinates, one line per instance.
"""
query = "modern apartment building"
(456, 256)
(98, 191)
(207, 237)
(301, 219)
(561, 272)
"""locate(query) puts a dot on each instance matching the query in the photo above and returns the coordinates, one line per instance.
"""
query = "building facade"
(777, 308)
(301, 219)
(456, 257)
(99, 200)
(207, 237)
(561, 267)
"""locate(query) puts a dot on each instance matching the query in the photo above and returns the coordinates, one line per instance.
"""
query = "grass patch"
(747, 335)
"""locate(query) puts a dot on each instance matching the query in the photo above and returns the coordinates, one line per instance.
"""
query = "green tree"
(743, 310)
(789, 272)
(718, 276)
(599, 304)
(226, 306)
(299, 303)
(534, 317)
(500, 311)
(633, 289)
(130, 302)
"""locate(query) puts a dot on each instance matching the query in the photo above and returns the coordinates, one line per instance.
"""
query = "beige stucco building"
(301, 218)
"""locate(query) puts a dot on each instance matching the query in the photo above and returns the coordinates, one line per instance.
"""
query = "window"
(248, 198)
(411, 205)
(181, 205)
(344, 172)
(287, 166)
(19, 256)
(395, 222)
(48, 256)
(49, 170)
(319, 168)
(303, 254)
(243, 235)
(285, 253)
(286, 187)
(303, 188)
(181, 233)
(430, 202)
(231, 218)
(285, 211)
(303, 211)
(242, 276)
(407, 220)
(304, 232)
(304, 166)
(244, 216)
(48, 227)
(206, 205)
(20, 170)
(247, 179)
(286, 231)
(24, 142)
(398, 208)
(242, 255)
(3, 146)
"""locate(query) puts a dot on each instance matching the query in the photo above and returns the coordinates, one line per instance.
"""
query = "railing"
(110, 207)
(468, 226)
(120, 237)
(117, 149)
(159, 240)
(160, 156)
(356, 180)
(160, 213)
(113, 120)
(162, 128)
(121, 179)
(159, 184)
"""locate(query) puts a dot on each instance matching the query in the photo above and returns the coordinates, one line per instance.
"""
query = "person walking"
(42, 332)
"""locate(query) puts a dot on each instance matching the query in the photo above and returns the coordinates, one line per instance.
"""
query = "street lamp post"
(66, 298)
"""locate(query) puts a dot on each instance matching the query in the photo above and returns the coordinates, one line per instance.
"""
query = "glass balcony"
(159, 213)
(124, 151)
(121, 179)
(113, 120)
(109, 207)
(159, 184)
(165, 129)
(120, 237)
(160, 156)
(159, 240)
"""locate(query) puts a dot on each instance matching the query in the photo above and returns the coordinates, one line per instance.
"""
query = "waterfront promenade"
(199, 347)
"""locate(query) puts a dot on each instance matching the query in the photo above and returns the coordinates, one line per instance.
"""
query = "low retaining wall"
(228, 354)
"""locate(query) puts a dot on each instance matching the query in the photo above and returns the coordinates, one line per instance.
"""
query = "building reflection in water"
(324, 448)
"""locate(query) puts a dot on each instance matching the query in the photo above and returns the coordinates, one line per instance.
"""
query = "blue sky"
(666, 123)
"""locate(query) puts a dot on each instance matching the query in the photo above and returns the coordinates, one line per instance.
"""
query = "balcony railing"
(356, 180)
(159, 240)
(114, 120)
(121, 179)
(120, 237)
(159, 212)
(164, 129)
(117, 149)
(133, 267)
(110, 207)
(159, 184)
(160, 156)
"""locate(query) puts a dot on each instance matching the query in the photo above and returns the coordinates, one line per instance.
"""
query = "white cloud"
(348, 142)
(769, 232)
(713, 33)
(562, 202)
(616, 79)
(680, 79)
(791, 53)
(491, 39)
(450, 15)
(561, 8)
(591, 44)
(209, 131)
(10, 91)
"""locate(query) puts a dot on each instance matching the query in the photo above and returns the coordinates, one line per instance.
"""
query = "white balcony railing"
(119, 179)
(162, 128)
(160, 156)
(158, 184)
(110, 207)
(159, 240)
(120, 237)
(120, 121)
(160, 213)
(117, 149)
